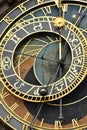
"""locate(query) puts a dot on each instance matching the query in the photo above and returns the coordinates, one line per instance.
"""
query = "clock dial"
(43, 65)
(56, 88)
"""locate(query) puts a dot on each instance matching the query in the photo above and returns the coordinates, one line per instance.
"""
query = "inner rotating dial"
(52, 59)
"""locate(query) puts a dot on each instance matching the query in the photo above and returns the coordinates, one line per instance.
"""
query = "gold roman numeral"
(58, 124)
(15, 38)
(6, 94)
(42, 122)
(74, 122)
(14, 106)
(26, 116)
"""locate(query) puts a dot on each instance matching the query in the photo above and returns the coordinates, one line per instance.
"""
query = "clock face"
(43, 65)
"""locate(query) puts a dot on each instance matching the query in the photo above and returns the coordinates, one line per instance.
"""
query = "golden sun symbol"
(59, 22)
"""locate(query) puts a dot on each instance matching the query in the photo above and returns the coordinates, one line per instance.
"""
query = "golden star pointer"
(59, 21)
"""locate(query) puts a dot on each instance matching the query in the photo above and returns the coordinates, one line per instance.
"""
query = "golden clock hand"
(60, 74)
(59, 5)
(60, 47)
(59, 21)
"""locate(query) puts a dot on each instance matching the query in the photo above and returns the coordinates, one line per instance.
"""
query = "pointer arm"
(60, 74)
(59, 5)
(35, 117)
(80, 17)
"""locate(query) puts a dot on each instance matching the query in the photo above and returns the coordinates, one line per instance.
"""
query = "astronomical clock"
(43, 65)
